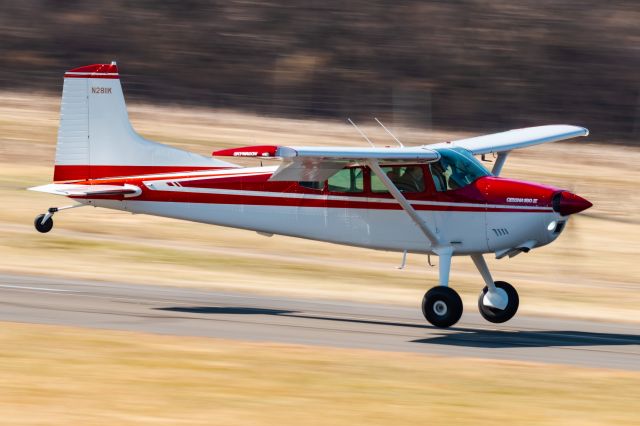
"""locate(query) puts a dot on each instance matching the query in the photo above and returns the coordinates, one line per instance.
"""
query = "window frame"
(428, 186)
(364, 181)
(323, 185)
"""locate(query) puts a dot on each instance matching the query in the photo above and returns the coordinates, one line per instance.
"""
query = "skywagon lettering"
(101, 90)
(522, 200)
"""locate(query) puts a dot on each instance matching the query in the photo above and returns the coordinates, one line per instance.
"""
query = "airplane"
(433, 199)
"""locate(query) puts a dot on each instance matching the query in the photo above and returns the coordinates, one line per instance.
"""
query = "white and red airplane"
(433, 199)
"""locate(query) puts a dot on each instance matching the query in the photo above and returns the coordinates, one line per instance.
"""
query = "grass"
(591, 271)
(61, 375)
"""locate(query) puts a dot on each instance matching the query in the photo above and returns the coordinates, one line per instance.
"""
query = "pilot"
(458, 174)
(393, 175)
(412, 180)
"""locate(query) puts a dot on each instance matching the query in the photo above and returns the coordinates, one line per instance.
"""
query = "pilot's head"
(414, 171)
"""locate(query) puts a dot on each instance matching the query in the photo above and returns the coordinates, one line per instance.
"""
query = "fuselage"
(486, 214)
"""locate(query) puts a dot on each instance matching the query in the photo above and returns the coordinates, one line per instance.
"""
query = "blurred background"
(460, 65)
(206, 75)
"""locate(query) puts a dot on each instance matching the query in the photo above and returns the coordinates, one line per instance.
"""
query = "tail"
(96, 140)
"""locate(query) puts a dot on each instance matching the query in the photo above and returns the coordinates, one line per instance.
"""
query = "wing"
(316, 164)
(72, 190)
(515, 139)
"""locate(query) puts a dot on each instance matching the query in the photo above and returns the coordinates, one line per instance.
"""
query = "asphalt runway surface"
(192, 312)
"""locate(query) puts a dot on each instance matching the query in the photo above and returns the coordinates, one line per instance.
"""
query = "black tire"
(442, 306)
(495, 315)
(43, 227)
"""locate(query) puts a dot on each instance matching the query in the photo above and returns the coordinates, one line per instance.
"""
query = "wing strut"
(395, 192)
(497, 167)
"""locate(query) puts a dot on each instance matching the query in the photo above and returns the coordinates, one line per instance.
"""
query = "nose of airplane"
(566, 203)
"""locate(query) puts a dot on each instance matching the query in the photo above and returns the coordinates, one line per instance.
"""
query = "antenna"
(388, 131)
(361, 132)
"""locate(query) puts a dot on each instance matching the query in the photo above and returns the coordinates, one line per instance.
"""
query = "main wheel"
(496, 315)
(442, 306)
(43, 227)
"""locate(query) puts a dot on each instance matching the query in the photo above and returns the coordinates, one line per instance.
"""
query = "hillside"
(465, 65)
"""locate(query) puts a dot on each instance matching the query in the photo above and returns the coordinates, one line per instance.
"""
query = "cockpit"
(456, 169)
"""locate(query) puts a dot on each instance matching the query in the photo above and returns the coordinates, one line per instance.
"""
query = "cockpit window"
(406, 179)
(456, 168)
(347, 180)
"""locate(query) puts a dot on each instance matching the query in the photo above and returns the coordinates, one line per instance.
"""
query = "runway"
(191, 312)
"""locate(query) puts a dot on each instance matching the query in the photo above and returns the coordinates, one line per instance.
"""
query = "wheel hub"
(440, 308)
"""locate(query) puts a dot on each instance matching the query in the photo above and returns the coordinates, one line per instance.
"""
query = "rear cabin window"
(312, 185)
(347, 180)
(406, 179)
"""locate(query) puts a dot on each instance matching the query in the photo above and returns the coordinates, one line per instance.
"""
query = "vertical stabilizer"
(96, 139)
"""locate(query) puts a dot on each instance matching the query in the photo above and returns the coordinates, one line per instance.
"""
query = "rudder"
(96, 139)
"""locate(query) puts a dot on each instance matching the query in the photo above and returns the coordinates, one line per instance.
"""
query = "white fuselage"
(393, 230)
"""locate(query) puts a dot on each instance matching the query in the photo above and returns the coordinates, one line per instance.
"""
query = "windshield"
(456, 168)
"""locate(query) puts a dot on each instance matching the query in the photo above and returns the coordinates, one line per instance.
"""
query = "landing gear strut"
(442, 306)
(498, 301)
(44, 222)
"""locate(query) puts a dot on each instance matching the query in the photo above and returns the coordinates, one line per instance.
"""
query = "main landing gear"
(442, 306)
(44, 222)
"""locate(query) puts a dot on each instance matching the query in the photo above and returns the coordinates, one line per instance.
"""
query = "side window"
(406, 179)
(347, 180)
(312, 185)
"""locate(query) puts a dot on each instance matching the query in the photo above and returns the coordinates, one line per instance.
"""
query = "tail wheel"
(43, 227)
(442, 306)
(496, 315)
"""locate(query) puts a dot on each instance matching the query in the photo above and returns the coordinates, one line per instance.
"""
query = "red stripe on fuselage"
(276, 194)
(283, 201)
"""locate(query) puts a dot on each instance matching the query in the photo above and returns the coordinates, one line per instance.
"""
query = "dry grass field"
(60, 375)
(591, 271)
(72, 376)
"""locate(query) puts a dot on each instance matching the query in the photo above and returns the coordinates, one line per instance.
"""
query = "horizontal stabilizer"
(73, 190)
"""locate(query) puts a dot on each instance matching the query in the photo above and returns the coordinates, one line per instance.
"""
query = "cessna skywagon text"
(434, 199)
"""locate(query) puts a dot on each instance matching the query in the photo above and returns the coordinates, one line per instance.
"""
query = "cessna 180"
(433, 199)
